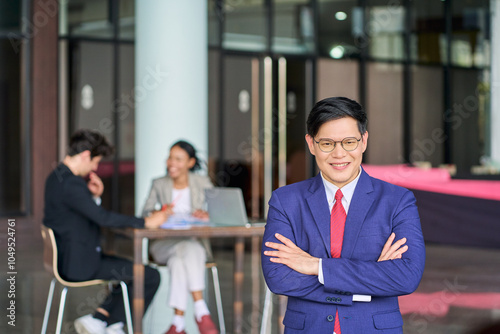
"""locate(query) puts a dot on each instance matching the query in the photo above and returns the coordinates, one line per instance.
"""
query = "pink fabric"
(434, 180)
(438, 303)
(124, 167)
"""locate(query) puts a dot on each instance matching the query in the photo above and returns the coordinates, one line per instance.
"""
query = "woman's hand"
(168, 209)
(200, 214)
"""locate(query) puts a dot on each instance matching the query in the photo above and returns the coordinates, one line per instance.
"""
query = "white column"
(171, 102)
(495, 81)
(171, 85)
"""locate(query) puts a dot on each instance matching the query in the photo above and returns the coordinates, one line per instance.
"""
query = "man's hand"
(95, 185)
(155, 219)
(393, 251)
(292, 256)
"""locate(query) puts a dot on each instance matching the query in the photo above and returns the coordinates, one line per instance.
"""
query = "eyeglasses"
(327, 145)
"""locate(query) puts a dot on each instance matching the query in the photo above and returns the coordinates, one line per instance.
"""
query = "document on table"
(179, 221)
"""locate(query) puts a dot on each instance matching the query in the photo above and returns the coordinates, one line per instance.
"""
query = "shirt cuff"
(97, 200)
(320, 272)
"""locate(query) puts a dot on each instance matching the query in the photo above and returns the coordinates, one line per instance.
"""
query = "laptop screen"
(226, 206)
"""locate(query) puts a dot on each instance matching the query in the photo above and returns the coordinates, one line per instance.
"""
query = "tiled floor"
(460, 292)
(465, 283)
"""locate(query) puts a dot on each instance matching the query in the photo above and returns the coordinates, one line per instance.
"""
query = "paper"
(179, 221)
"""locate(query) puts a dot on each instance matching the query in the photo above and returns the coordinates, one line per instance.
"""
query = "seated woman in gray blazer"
(182, 192)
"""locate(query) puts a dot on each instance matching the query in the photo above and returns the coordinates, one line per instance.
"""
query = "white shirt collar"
(347, 191)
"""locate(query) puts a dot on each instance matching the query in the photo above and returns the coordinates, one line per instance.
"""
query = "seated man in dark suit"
(72, 210)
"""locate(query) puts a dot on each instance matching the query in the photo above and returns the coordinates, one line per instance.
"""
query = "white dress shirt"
(348, 192)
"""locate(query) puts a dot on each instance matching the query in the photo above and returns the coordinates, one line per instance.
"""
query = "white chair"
(267, 312)
(50, 264)
(210, 264)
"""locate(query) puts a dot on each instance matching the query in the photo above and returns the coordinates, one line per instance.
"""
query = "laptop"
(226, 206)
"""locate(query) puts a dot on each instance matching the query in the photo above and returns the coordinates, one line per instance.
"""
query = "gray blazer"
(161, 192)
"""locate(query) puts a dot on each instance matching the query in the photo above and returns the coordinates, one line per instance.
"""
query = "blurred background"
(249, 71)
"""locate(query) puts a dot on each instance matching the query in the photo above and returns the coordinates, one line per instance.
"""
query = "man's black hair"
(333, 108)
(93, 141)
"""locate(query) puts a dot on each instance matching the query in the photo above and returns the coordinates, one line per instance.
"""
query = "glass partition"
(428, 38)
(340, 28)
(427, 101)
(127, 19)
(14, 109)
(10, 15)
(12, 139)
(85, 18)
(468, 118)
(337, 78)
(470, 42)
(214, 13)
(293, 27)
(93, 19)
(385, 24)
(92, 87)
(245, 25)
(384, 107)
(470, 80)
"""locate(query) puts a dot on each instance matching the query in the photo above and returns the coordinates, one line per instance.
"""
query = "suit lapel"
(195, 191)
(318, 205)
(169, 186)
(361, 202)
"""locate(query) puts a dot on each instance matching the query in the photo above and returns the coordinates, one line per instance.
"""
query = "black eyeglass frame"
(335, 143)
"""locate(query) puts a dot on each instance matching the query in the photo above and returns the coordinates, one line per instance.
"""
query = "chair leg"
(267, 311)
(218, 299)
(48, 306)
(126, 304)
(61, 310)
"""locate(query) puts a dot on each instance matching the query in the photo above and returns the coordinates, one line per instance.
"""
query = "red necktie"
(337, 225)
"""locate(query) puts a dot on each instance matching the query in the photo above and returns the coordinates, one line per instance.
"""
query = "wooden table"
(238, 232)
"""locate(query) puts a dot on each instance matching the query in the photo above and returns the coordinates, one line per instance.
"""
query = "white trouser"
(185, 259)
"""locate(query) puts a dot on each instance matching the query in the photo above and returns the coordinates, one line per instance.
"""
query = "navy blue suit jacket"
(76, 219)
(300, 212)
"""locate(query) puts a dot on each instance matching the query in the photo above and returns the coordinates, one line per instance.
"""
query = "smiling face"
(179, 163)
(338, 166)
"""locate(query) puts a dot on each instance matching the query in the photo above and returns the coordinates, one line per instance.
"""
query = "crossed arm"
(289, 254)
(291, 271)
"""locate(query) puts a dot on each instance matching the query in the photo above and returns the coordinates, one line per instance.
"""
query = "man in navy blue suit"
(343, 280)
(72, 210)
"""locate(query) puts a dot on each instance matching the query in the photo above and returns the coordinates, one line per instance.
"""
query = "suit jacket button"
(98, 249)
(339, 300)
(328, 299)
(330, 318)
